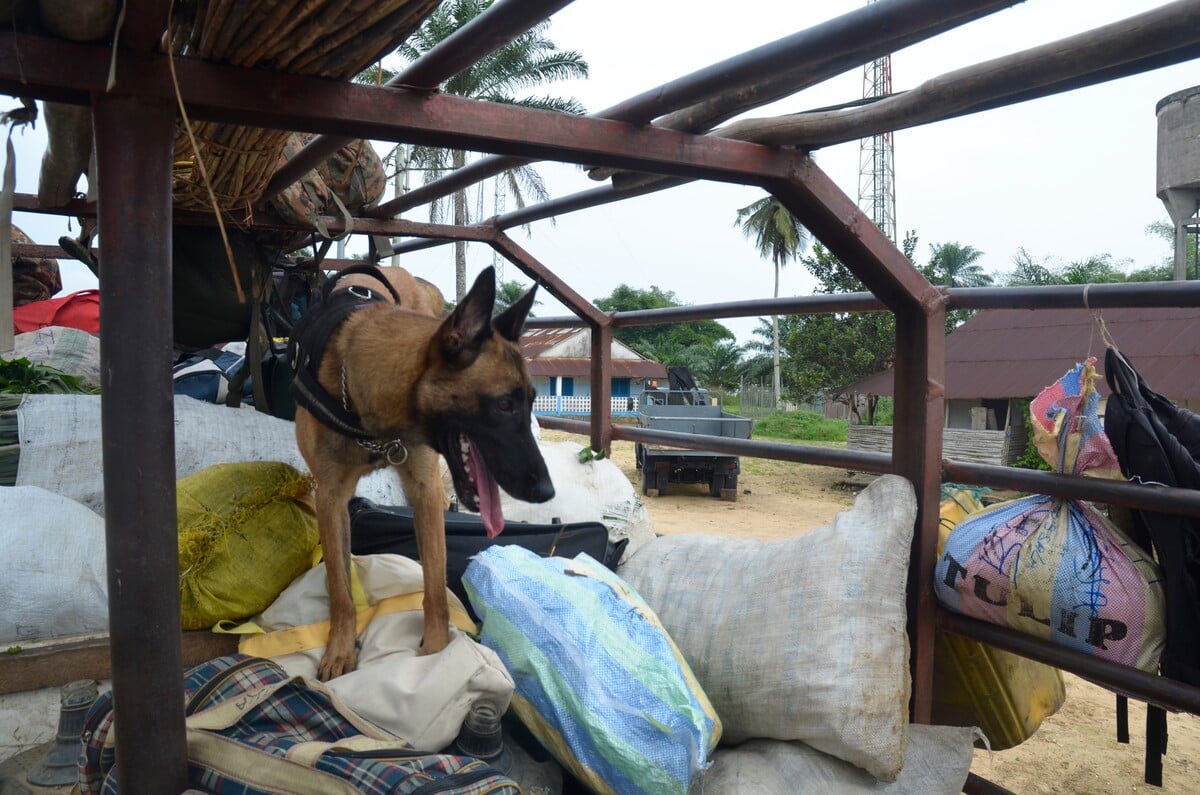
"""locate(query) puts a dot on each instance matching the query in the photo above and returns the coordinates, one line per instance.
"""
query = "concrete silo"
(1178, 170)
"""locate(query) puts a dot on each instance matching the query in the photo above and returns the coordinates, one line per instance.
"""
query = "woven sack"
(246, 530)
(801, 638)
(1060, 569)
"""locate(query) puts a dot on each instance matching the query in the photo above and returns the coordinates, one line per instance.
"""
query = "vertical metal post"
(601, 386)
(917, 455)
(133, 148)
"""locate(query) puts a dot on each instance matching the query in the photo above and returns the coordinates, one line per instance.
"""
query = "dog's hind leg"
(422, 480)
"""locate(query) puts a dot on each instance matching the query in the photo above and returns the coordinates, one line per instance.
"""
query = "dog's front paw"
(434, 646)
(334, 664)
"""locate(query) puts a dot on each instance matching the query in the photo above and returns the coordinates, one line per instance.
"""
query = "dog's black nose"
(543, 490)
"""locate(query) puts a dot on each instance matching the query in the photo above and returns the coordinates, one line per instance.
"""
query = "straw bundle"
(324, 38)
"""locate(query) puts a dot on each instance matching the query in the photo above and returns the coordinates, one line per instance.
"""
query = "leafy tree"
(955, 265)
(508, 293)
(828, 353)
(780, 237)
(529, 60)
(719, 366)
(1166, 231)
(1096, 269)
(673, 344)
(1028, 272)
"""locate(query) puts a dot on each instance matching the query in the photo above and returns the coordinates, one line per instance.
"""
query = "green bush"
(800, 426)
(1031, 458)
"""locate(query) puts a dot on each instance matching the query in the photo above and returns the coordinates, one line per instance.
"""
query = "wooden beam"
(55, 663)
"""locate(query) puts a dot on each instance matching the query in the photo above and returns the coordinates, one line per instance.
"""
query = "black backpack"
(1158, 442)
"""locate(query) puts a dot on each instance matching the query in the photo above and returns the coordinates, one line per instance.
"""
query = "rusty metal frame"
(134, 124)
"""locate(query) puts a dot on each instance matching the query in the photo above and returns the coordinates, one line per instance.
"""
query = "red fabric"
(79, 310)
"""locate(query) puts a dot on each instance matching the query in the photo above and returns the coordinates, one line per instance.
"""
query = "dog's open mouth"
(476, 486)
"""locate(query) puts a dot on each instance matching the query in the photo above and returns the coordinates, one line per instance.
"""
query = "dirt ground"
(1075, 751)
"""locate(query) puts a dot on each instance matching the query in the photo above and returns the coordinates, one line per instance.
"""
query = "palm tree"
(508, 293)
(781, 237)
(529, 60)
(953, 265)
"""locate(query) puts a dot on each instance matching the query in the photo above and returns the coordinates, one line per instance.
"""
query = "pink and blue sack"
(1055, 568)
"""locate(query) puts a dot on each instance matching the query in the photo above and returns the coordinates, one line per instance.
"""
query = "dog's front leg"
(333, 519)
(423, 485)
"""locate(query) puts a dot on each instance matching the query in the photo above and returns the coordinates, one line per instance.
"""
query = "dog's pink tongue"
(489, 494)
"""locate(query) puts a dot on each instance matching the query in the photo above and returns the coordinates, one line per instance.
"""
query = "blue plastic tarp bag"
(598, 680)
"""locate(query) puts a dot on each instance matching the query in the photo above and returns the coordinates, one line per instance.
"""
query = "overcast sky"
(1065, 177)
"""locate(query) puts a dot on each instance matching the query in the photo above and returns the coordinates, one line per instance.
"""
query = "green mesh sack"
(246, 530)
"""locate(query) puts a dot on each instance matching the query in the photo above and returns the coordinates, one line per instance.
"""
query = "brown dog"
(407, 386)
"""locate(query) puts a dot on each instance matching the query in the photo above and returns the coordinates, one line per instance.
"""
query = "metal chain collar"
(393, 451)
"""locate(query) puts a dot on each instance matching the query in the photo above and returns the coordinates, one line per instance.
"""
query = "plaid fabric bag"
(252, 730)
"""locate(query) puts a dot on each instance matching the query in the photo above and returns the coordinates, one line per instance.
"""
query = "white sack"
(61, 445)
(801, 638)
(936, 762)
(595, 491)
(55, 581)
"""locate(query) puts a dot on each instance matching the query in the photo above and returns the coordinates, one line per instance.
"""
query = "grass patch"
(806, 426)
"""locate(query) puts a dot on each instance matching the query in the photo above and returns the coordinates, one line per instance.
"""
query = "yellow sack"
(246, 530)
(1005, 695)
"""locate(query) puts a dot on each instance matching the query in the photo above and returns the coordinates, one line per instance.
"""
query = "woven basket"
(322, 38)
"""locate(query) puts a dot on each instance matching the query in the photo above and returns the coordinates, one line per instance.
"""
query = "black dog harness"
(306, 349)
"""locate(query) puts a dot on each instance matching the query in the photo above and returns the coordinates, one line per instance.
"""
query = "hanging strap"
(1156, 743)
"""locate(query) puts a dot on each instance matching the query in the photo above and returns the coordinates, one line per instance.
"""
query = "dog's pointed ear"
(511, 321)
(471, 321)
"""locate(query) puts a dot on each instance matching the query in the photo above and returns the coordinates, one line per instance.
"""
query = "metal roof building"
(1015, 353)
(553, 352)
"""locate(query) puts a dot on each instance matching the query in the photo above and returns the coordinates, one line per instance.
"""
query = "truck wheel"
(716, 485)
(661, 480)
(730, 492)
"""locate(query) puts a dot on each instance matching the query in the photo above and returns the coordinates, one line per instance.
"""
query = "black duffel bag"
(389, 528)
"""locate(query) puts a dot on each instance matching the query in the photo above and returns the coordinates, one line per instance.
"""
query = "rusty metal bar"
(549, 280)
(251, 97)
(139, 445)
(809, 56)
(1077, 296)
(601, 372)
(498, 25)
(853, 238)
(1139, 684)
(548, 209)
(916, 454)
(1167, 34)
(877, 463)
(1164, 499)
(794, 305)
(755, 77)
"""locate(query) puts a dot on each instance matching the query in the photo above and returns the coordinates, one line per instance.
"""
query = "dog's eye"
(504, 404)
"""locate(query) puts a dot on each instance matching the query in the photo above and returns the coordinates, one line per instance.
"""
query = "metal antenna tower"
(876, 168)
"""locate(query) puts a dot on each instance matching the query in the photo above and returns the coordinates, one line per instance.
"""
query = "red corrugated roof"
(1006, 353)
(577, 368)
(535, 342)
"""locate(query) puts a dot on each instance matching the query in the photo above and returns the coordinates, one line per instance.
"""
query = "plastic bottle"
(483, 737)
